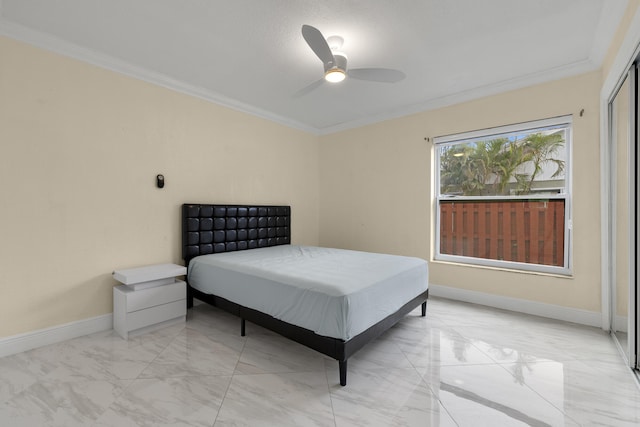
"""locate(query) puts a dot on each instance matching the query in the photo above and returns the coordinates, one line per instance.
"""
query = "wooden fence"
(511, 230)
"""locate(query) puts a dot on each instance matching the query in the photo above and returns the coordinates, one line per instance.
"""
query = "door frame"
(627, 54)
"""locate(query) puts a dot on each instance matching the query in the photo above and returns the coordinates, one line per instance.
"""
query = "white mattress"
(333, 292)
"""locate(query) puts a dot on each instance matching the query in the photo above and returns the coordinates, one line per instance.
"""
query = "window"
(503, 196)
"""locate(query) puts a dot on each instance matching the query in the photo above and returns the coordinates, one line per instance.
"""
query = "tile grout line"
(233, 374)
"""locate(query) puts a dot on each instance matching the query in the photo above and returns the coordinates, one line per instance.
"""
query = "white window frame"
(520, 127)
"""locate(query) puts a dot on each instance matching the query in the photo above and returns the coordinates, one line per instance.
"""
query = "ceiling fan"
(335, 62)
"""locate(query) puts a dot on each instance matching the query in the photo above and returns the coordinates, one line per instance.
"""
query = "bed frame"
(208, 229)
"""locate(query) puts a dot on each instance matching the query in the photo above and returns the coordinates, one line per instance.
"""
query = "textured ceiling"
(250, 55)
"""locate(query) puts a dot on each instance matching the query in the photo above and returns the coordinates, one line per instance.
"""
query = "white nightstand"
(150, 297)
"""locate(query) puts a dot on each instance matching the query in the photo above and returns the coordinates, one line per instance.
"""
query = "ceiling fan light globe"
(335, 75)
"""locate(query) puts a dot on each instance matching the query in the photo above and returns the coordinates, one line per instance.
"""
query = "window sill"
(569, 275)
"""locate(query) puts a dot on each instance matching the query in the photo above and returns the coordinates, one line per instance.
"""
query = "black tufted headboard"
(208, 229)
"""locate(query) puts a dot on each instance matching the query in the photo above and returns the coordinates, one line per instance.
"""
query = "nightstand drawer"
(139, 300)
(153, 315)
(150, 297)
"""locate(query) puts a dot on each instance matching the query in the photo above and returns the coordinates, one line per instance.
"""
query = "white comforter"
(333, 292)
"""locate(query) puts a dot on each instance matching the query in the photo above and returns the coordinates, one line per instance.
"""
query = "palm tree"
(540, 150)
(451, 169)
(511, 157)
(469, 168)
(489, 167)
(485, 158)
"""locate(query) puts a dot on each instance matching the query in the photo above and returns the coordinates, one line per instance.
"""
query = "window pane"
(503, 196)
(527, 231)
(510, 164)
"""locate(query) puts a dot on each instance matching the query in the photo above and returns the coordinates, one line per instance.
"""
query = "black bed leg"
(343, 372)
(424, 309)
(242, 328)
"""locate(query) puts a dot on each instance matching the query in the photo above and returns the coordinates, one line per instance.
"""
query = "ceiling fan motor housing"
(340, 61)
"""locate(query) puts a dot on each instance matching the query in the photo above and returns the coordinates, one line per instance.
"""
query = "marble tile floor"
(462, 365)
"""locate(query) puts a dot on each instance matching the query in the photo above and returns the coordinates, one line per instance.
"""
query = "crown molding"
(610, 17)
(503, 86)
(59, 46)
(53, 44)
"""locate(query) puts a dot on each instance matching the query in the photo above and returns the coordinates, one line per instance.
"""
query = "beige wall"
(79, 151)
(80, 148)
(376, 188)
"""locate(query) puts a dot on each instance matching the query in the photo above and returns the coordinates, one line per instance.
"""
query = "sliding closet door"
(634, 192)
(623, 217)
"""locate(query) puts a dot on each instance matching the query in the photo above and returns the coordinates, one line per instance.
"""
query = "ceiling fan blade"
(318, 45)
(382, 75)
(309, 88)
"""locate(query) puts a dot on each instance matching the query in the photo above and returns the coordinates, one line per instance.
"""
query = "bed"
(240, 259)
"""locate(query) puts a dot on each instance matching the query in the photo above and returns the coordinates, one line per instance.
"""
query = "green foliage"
(495, 167)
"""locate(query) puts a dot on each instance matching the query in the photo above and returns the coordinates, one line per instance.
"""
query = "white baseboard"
(30, 340)
(558, 312)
